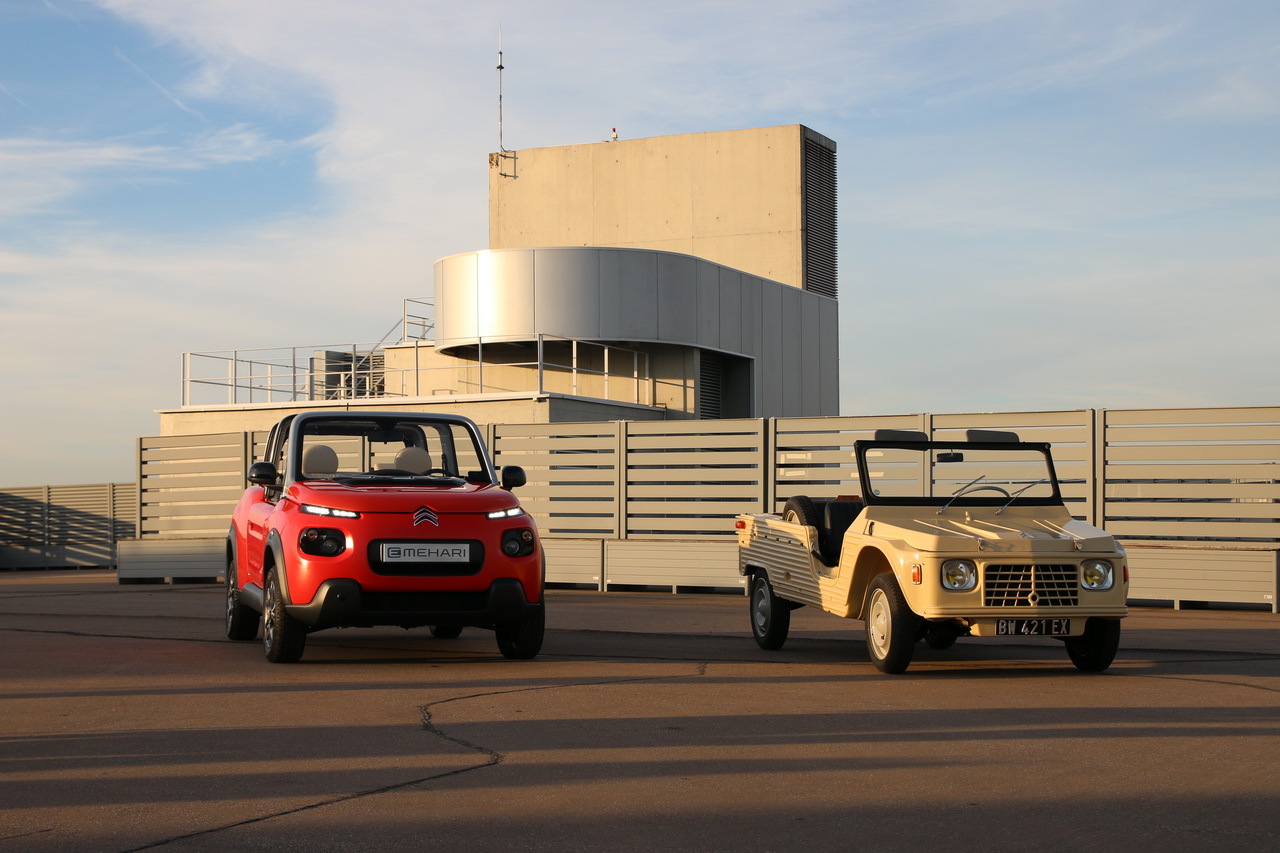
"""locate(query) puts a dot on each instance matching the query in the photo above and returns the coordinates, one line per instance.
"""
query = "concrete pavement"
(650, 720)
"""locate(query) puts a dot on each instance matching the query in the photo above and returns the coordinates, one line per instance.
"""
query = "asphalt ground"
(650, 721)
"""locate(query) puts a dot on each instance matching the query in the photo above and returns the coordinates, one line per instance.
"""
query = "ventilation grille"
(710, 384)
(819, 204)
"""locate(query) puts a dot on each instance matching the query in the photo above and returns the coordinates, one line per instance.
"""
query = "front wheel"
(283, 637)
(522, 640)
(891, 626)
(1095, 649)
(242, 620)
(770, 616)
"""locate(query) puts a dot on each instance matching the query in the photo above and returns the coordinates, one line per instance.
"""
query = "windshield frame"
(301, 425)
(930, 449)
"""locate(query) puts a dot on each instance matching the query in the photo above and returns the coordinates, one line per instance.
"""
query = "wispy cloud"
(169, 96)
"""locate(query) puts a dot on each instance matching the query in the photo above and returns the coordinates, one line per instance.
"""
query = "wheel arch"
(273, 561)
(871, 561)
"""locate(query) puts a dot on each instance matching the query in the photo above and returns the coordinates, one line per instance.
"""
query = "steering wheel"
(438, 472)
(1002, 491)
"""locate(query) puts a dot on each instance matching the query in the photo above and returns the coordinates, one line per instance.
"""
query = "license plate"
(1033, 627)
(426, 552)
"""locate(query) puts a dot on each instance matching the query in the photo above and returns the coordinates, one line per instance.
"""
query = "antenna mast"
(503, 153)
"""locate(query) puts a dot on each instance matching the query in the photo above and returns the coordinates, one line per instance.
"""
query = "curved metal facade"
(641, 296)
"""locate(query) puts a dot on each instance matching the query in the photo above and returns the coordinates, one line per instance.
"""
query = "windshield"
(380, 450)
(957, 473)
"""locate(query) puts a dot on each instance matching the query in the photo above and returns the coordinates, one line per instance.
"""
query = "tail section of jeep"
(943, 539)
(362, 519)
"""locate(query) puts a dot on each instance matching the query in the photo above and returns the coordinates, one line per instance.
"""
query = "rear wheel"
(1095, 649)
(522, 640)
(770, 615)
(891, 627)
(800, 509)
(242, 620)
(283, 637)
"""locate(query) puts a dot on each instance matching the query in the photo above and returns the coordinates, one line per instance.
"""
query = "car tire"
(283, 637)
(800, 509)
(770, 615)
(1095, 649)
(446, 632)
(891, 627)
(242, 620)
(522, 640)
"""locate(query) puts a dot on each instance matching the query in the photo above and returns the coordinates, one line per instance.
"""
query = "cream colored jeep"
(946, 539)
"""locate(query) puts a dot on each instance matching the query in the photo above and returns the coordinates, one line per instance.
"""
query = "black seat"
(836, 518)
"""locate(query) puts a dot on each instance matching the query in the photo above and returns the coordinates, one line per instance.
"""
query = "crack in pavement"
(493, 757)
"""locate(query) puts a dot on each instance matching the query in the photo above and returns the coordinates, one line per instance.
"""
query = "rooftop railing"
(400, 369)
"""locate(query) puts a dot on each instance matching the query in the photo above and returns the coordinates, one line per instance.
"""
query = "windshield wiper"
(958, 493)
(1014, 496)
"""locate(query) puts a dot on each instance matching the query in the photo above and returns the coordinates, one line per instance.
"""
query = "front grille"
(1031, 586)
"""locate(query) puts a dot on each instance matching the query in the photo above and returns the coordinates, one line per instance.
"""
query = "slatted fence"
(1193, 493)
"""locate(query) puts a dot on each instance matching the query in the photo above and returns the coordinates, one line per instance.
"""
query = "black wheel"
(283, 637)
(446, 632)
(522, 640)
(770, 615)
(242, 620)
(801, 509)
(939, 637)
(1095, 649)
(892, 629)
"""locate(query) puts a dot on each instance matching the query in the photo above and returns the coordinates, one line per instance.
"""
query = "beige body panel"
(913, 542)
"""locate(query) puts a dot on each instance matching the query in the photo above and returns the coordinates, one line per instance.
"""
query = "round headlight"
(1096, 574)
(959, 575)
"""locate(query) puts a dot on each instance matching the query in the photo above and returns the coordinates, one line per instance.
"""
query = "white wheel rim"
(879, 624)
(761, 610)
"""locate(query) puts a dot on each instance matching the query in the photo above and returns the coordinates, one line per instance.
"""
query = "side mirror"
(263, 474)
(513, 477)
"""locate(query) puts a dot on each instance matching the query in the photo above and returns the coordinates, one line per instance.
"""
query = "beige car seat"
(414, 459)
(319, 460)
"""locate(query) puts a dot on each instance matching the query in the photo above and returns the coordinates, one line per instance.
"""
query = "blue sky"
(1044, 204)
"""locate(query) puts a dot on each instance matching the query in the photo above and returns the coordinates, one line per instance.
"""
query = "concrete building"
(678, 277)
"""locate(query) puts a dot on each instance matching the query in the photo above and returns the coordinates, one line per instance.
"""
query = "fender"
(276, 547)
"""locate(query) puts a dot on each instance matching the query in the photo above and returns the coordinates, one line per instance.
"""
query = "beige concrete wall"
(731, 197)
(523, 409)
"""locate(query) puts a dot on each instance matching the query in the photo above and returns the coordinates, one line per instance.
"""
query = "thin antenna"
(500, 146)
(502, 153)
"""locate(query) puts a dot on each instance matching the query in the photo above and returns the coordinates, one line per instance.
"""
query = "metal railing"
(364, 371)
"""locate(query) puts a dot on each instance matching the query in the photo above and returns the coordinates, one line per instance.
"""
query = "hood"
(1024, 530)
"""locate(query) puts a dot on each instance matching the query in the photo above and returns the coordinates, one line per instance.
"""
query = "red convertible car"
(358, 519)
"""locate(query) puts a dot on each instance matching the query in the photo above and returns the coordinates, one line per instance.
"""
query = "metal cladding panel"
(773, 342)
(708, 305)
(731, 333)
(455, 279)
(504, 296)
(569, 293)
(637, 277)
(796, 342)
(677, 298)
